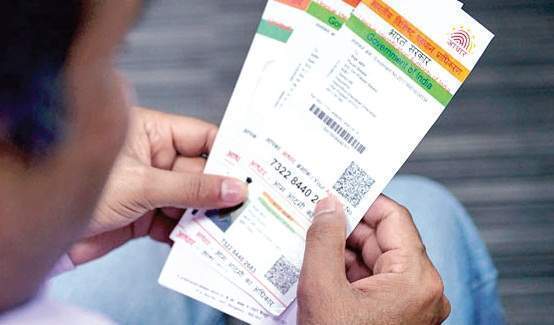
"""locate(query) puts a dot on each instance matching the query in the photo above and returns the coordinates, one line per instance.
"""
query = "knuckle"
(403, 210)
(211, 134)
(447, 310)
(153, 133)
(432, 292)
(436, 286)
(393, 263)
(206, 189)
(404, 213)
(194, 189)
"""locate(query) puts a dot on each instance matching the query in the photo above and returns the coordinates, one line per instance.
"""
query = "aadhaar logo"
(462, 41)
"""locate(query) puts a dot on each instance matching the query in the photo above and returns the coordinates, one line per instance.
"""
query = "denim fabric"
(455, 247)
(124, 286)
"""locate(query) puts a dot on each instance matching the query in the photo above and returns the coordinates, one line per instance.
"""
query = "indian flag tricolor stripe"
(420, 77)
(427, 45)
(274, 30)
(278, 212)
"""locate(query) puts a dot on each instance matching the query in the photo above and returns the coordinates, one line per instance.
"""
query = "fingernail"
(325, 206)
(233, 191)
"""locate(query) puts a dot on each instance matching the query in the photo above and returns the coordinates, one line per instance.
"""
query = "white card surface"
(188, 274)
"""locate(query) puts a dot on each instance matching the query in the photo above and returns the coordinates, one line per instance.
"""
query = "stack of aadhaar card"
(333, 98)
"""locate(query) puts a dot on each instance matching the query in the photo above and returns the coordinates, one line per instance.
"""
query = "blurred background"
(493, 147)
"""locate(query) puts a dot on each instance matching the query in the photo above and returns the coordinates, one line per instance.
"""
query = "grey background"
(494, 146)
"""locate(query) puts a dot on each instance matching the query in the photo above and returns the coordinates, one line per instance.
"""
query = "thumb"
(324, 257)
(185, 190)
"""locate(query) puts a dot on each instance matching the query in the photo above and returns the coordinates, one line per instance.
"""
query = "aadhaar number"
(296, 181)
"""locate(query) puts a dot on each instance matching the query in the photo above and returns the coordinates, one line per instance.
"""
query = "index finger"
(191, 137)
(393, 225)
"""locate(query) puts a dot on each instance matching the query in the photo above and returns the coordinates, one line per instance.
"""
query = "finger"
(349, 258)
(363, 240)
(95, 247)
(161, 228)
(173, 213)
(394, 261)
(358, 270)
(191, 137)
(184, 190)
(147, 129)
(393, 226)
(359, 236)
(162, 152)
(189, 165)
(184, 165)
(324, 257)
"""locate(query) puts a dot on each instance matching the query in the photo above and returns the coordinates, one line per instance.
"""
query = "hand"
(157, 175)
(388, 277)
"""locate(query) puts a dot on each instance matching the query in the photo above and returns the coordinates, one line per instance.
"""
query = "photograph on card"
(224, 218)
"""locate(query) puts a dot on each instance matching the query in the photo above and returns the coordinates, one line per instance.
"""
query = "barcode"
(338, 129)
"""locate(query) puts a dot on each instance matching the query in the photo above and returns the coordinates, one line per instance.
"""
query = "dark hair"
(36, 37)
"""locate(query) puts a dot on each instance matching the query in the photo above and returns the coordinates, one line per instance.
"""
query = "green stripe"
(325, 15)
(273, 31)
(399, 60)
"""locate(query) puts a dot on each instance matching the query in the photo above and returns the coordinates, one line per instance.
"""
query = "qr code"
(354, 184)
(283, 275)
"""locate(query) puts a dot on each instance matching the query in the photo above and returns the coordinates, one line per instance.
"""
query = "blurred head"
(63, 118)
(56, 71)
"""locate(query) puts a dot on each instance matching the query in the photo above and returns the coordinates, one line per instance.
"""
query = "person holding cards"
(83, 172)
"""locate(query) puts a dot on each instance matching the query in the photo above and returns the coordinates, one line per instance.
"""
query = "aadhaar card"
(353, 184)
(393, 74)
(317, 27)
(301, 63)
(198, 281)
(301, 67)
(279, 20)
